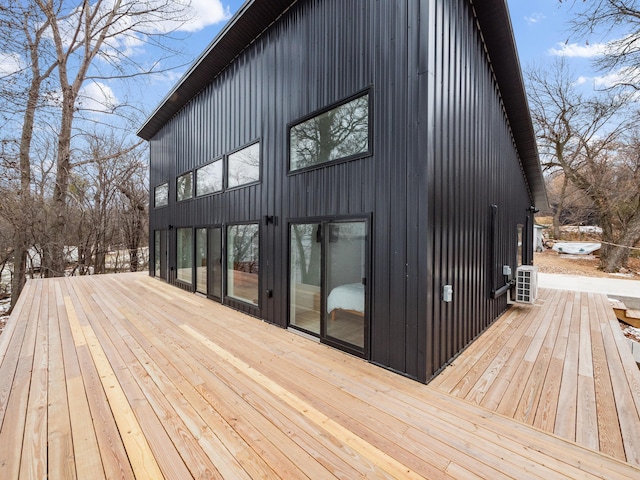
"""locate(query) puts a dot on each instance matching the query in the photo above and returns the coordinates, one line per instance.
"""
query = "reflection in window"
(243, 249)
(209, 178)
(201, 260)
(156, 253)
(161, 194)
(184, 251)
(244, 166)
(519, 246)
(338, 133)
(184, 187)
(304, 280)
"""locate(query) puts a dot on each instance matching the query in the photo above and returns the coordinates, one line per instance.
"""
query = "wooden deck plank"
(299, 435)
(229, 335)
(568, 377)
(149, 449)
(99, 452)
(243, 399)
(13, 433)
(230, 340)
(350, 404)
(565, 424)
(545, 414)
(252, 336)
(530, 399)
(61, 461)
(522, 361)
(587, 419)
(177, 416)
(260, 435)
(629, 417)
(609, 430)
(22, 307)
(11, 348)
(34, 446)
(142, 460)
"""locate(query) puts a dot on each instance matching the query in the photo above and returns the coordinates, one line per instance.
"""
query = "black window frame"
(195, 176)
(230, 299)
(189, 172)
(155, 203)
(226, 186)
(365, 92)
(190, 284)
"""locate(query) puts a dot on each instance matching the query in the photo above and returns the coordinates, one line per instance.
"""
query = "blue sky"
(540, 27)
(541, 30)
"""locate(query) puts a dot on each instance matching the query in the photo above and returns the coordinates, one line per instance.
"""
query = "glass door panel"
(304, 277)
(201, 260)
(215, 263)
(157, 252)
(345, 282)
(243, 263)
(160, 253)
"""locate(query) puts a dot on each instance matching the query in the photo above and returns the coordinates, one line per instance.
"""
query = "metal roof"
(495, 25)
(255, 16)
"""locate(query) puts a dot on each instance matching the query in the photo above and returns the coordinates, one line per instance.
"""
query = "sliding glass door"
(201, 260)
(345, 281)
(215, 264)
(327, 281)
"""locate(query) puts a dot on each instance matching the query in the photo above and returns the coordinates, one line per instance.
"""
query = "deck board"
(123, 376)
(570, 373)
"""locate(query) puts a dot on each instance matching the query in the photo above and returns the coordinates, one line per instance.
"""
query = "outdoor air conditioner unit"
(526, 284)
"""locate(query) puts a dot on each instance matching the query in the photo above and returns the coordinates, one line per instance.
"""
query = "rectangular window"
(184, 250)
(339, 133)
(209, 178)
(243, 253)
(184, 187)
(161, 195)
(243, 166)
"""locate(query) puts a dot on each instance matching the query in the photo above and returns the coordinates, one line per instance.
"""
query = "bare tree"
(31, 43)
(81, 35)
(586, 137)
(622, 54)
(60, 48)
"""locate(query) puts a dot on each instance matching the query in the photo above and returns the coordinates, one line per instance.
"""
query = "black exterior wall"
(444, 188)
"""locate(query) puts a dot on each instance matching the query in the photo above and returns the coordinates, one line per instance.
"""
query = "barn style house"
(363, 172)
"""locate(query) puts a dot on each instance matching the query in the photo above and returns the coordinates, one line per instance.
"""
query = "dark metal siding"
(442, 155)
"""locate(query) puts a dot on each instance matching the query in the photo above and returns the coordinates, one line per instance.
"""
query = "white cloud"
(205, 13)
(10, 63)
(534, 18)
(575, 50)
(621, 76)
(581, 80)
(139, 19)
(97, 97)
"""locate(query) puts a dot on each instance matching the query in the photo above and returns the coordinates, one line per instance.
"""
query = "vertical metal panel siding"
(442, 154)
(471, 163)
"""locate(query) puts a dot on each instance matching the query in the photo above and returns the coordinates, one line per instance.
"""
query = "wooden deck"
(561, 365)
(123, 376)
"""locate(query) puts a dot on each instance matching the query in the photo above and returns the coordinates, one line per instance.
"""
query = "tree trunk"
(63, 167)
(559, 209)
(21, 243)
(613, 257)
